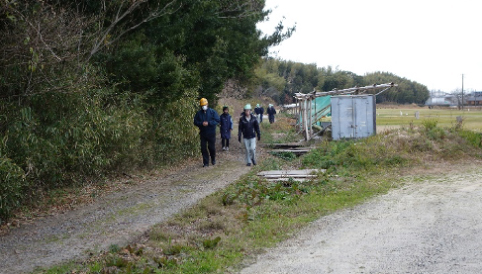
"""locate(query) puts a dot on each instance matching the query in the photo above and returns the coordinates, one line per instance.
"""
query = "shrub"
(12, 187)
(429, 124)
(436, 133)
(473, 138)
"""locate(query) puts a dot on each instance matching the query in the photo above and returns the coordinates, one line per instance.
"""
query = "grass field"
(403, 117)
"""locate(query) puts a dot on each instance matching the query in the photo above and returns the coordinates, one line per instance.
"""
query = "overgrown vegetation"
(251, 214)
(405, 147)
(91, 87)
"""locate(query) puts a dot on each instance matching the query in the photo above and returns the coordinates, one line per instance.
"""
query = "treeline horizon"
(281, 79)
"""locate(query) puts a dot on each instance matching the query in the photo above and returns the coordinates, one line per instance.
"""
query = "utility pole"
(462, 92)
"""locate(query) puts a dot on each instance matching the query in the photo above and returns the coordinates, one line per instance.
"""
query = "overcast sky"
(427, 41)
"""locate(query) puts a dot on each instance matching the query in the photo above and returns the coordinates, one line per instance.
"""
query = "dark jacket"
(257, 110)
(271, 111)
(248, 128)
(226, 125)
(211, 116)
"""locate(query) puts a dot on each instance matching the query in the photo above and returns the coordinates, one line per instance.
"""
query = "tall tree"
(407, 91)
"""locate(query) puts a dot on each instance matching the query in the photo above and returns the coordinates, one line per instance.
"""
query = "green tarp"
(320, 107)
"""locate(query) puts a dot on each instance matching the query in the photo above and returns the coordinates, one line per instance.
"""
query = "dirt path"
(434, 226)
(117, 218)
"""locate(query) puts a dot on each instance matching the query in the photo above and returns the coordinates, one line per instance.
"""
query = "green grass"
(217, 234)
(391, 118)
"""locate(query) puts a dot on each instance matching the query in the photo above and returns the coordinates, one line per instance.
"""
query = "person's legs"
(227, 143)
(247, 145)
(223, 142)
(204, 151)
(253, 150)
(212, 149)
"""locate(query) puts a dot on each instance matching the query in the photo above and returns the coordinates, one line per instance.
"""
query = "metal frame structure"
(307, 117)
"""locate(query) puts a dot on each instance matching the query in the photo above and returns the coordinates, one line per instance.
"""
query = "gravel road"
(118, 218)
(433, 226)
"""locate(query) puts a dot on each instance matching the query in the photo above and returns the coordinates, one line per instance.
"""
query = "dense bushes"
(94, 132)
(91, 135)
(12, 187)
(63, 139)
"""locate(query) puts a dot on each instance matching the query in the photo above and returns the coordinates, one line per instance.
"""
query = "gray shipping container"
(353, 116)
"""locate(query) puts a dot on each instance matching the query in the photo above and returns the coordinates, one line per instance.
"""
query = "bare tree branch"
(103, 41)
(239, 9)
(43, 41)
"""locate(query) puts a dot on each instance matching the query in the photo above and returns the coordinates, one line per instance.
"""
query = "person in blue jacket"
(226, 128)
(249, 128)
(207, 119)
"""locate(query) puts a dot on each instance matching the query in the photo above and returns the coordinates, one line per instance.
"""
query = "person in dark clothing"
(249, 128)
(207, 119)
(271, 112)
(226, 128)
(261, 112)
(257, 110)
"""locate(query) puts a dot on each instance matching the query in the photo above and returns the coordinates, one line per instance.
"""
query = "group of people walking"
(207, 119)
(259, 112)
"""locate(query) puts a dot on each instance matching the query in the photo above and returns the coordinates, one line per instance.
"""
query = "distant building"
(441, 100)
(474, 98)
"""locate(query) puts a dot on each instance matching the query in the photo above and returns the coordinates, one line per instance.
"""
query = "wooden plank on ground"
(294, 151)
(290, 172)
(285, 175)
(288, 176)
(287, 179)
(287, 145)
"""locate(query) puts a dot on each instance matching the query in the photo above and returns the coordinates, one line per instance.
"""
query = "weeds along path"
(117, 218)
(428, 226)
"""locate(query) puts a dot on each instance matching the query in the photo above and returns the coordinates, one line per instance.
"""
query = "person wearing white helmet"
(259, 111)
(249, 129)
